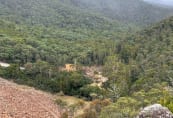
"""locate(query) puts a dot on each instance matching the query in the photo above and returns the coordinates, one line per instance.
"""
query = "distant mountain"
(81, 13)
(127, 11)
(49, 13)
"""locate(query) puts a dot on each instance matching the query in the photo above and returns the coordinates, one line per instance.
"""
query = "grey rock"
(155, 111)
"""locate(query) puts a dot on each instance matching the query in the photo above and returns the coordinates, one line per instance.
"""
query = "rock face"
(155, 111)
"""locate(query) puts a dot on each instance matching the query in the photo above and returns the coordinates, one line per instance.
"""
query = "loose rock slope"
(18, 101)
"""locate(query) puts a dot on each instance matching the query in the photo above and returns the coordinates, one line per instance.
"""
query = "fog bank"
(168, 3)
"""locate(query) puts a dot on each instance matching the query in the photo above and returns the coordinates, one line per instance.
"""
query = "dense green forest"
(147, 55)
(43, 35)
(64, 35)
(62, 31)
(28, 44)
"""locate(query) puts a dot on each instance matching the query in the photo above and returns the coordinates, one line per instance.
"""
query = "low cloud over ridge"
(161, 2)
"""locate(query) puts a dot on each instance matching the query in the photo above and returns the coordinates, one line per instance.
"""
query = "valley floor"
(18, 101)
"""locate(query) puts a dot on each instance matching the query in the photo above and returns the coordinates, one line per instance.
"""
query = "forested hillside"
(54, 32)
(52, 13)
(22, 44)
(153, 51)
(83, 14)
(147, 55)
(45, 29)
(136, 12)
(43, 35)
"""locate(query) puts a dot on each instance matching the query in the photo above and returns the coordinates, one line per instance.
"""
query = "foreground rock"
(24, 102)
(155, 111)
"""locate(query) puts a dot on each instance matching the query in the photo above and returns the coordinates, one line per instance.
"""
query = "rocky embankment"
(18, 101)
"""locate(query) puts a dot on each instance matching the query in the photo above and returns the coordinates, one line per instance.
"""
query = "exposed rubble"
(95, 73)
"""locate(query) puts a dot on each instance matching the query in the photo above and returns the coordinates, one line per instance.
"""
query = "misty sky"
(161, 2)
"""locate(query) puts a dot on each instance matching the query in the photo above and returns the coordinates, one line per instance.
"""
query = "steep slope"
(152, 50)
(18, 101)
(143, 67)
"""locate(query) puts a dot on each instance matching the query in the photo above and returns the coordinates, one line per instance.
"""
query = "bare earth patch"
(18, 101)
(95, 73)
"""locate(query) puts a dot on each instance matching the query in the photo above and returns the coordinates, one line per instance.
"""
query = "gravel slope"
(18, 101)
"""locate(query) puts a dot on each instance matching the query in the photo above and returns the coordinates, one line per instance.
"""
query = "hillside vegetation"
(44, 35)
(65, 31)
(147, 55)
(54, 32)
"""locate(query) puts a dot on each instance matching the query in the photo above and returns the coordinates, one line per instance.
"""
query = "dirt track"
(24, 102)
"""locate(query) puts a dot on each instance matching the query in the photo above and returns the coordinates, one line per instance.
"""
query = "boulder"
(155, 111)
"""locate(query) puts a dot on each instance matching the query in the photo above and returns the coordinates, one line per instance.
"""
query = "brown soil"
(18, 101)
